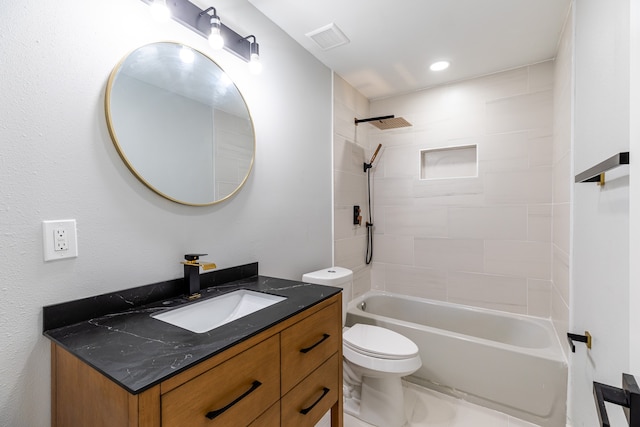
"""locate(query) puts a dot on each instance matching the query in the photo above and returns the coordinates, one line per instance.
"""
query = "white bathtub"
(506, 362)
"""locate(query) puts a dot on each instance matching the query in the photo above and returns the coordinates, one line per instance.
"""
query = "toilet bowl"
(374, 360)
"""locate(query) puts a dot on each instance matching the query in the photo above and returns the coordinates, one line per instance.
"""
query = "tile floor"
(427, 408)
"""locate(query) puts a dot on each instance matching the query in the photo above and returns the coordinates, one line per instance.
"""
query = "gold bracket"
(601, 184)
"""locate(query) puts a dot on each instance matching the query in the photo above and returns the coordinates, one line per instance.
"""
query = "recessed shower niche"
(449, 162)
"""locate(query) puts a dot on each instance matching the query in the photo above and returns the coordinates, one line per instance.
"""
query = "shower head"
(368, 166)
(385, 122)
(375, 154)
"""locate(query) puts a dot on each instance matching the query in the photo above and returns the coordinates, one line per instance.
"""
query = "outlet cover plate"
(52, 247)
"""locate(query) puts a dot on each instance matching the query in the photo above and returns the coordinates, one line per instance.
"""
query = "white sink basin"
(208, 314)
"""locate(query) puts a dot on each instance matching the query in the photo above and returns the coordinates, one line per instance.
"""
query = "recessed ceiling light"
(439, 66)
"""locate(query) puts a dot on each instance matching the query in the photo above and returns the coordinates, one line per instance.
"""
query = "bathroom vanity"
(280, 366)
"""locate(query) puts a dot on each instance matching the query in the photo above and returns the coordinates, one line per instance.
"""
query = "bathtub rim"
(553, 351)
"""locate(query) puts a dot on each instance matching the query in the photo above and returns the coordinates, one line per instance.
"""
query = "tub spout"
(192, 266)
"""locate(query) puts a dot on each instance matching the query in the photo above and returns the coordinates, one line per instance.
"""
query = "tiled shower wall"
(562, 181)
(350, 147)
(483, 240)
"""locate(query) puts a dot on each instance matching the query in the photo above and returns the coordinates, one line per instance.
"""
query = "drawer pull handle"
(212, 414)
(305, 411)
(308, 349)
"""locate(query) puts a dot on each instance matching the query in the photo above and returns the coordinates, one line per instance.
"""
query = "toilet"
(374, 360)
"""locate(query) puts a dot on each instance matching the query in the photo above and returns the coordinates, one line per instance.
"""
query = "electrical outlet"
(59, 239)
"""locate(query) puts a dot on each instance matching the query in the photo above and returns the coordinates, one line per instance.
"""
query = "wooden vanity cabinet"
(288, 375)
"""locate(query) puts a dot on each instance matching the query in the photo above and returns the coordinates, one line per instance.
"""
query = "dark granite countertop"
(137, 351)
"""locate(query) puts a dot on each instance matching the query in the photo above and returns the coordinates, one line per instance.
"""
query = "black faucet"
(192, 273)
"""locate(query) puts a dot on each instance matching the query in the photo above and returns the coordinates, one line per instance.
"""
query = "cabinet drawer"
(313, 397)
(239, 390)
(271, 418)
(308, 343)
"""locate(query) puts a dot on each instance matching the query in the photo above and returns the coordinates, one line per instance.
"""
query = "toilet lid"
(379, 342)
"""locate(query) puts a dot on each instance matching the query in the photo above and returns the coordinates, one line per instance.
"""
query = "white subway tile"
(531, 186)
(561, 226)
(540, 148)
(523, 259)
(392, 191)
(561, 274)
(423, 221)
(449, 254)
(402, 162)
(502, 85)
(562, 179)
(348, 156)
(415, 281)
(500, 152)
(393, 249)
(488, 291)
(488, 222)
(523, 112)
(539, 223)
(343, 224)
(350, 188)
(539, 298)
(541, 76)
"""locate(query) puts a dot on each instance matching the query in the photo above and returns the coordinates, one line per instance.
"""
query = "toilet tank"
(334, 276)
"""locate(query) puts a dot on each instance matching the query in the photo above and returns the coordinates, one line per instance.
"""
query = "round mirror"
(180, 124)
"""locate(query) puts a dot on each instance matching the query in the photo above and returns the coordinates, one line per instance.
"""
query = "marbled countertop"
(137, 351)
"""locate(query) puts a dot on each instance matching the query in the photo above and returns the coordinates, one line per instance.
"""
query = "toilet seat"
(378, 342)
(366, 348)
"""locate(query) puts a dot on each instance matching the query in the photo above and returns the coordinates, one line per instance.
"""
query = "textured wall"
(483, 240)
(57, 161)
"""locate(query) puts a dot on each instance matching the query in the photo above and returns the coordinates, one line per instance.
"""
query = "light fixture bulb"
(255, 66)
(439, 66)
(215, 38)
(160, 11)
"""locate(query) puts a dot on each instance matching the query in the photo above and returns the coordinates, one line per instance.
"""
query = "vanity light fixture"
(210, 27)
(160, 11)
(439, 66)
(255, 66)
(215, 37)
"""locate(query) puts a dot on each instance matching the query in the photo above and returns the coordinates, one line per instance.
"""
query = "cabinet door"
(233, 393)
(306, 403)
(308, 343)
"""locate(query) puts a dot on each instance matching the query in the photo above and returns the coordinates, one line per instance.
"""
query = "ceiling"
(392, 43)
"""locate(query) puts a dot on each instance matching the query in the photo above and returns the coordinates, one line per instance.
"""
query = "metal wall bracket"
(628, 397)
(596, 173)
(586, 338)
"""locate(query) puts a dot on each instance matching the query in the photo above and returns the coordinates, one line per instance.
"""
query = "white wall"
(634, 178)
(483, 240)
(600, 287)
(57, 161)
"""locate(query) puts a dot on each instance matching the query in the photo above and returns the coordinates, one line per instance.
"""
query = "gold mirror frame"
(165, 163)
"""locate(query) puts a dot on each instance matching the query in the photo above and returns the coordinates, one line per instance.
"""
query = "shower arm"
(373, 119)
(370, 164)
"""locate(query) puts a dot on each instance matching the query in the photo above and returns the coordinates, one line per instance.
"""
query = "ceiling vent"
(328, 37)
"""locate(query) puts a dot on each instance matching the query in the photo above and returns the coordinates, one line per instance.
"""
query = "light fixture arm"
(209, 9)
(254, 47)
(191, 16)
